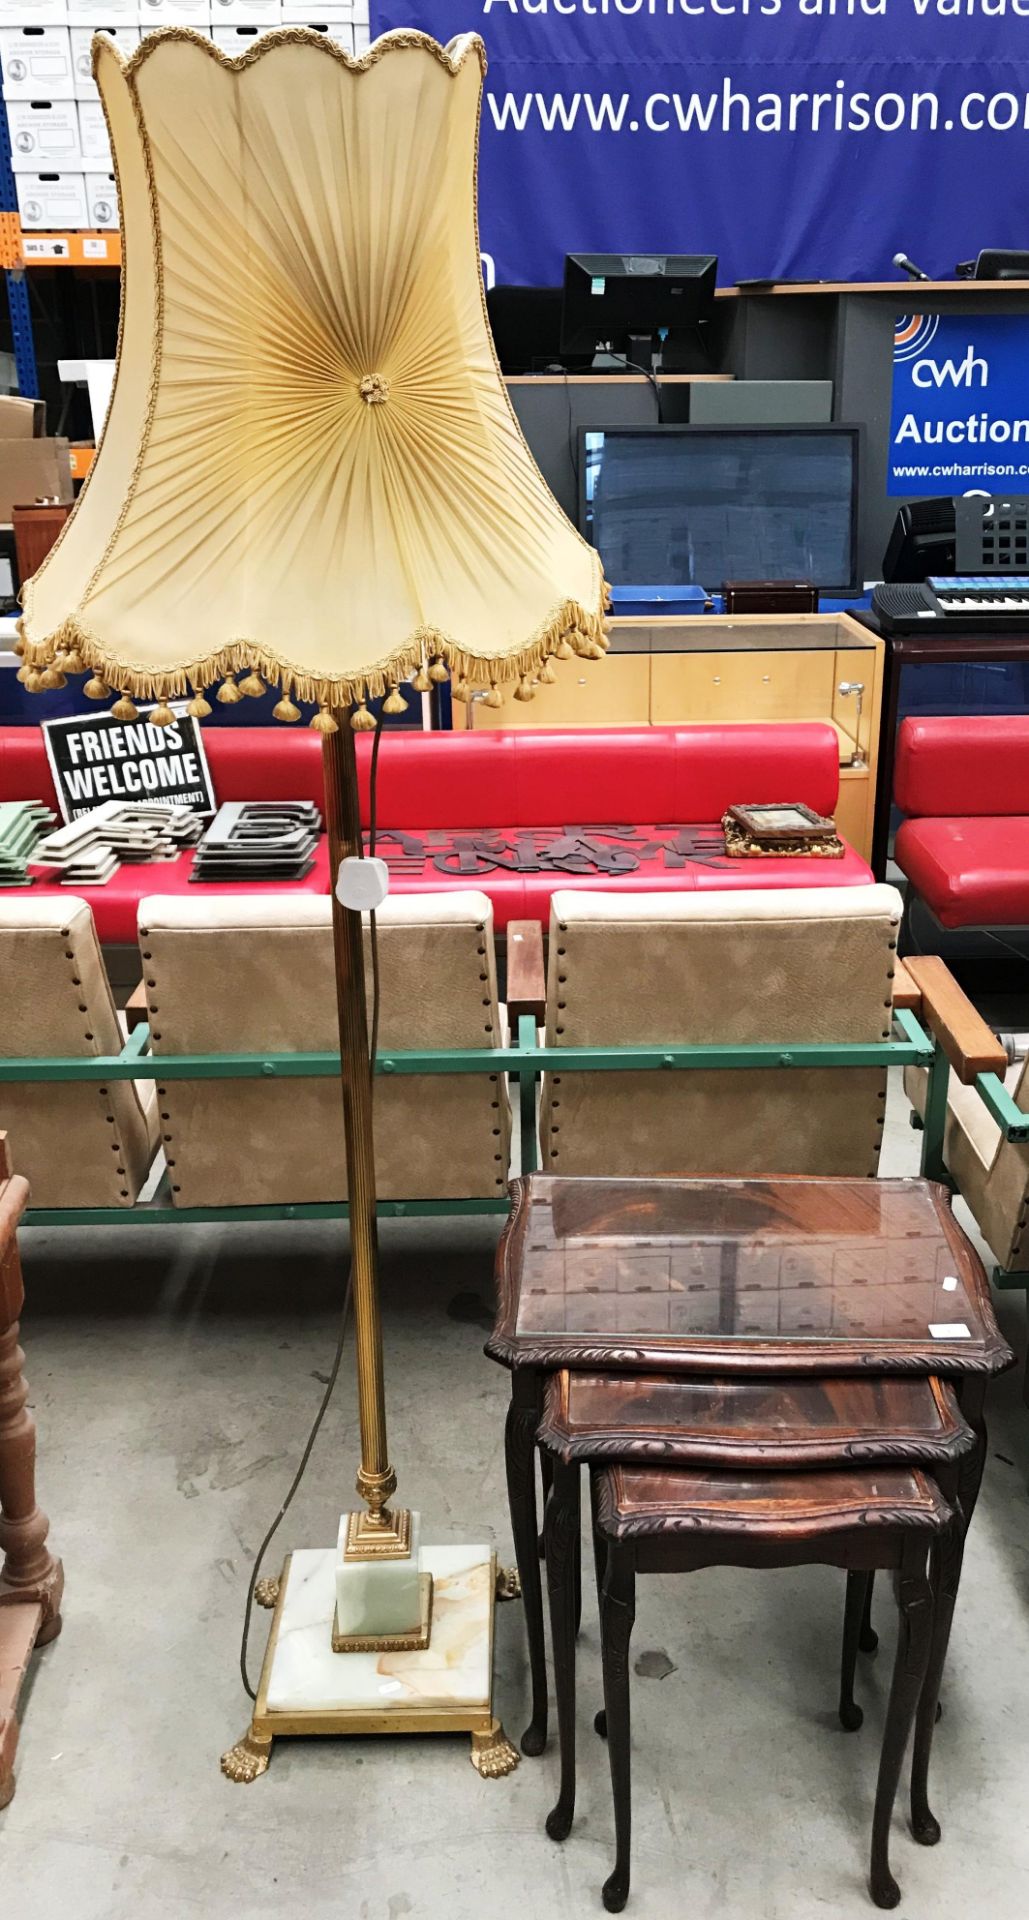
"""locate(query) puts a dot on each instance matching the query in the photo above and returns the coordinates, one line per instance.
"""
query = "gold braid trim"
(452, 57)
(583, 631)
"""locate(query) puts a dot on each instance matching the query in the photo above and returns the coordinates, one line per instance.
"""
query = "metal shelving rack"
(14, 271)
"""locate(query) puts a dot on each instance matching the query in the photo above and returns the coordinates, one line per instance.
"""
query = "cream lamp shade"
(311, 473)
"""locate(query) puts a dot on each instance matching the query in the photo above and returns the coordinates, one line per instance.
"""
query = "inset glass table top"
(672, 1264)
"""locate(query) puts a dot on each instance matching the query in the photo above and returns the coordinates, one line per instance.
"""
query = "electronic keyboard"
(973, 602)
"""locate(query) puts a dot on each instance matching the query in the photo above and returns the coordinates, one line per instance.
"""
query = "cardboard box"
(246, 13)
(21, 419)
(124, 37)
(96, 14)
(300, 12)
(34, 470)
(51, 202)
(336, 30)
(44, 135)
(36, 63)
(174, 13)
(101, 201)
(34, 13)
(236, 40)
(94, 141)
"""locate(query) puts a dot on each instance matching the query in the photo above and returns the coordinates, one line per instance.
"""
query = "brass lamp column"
(376, 1479)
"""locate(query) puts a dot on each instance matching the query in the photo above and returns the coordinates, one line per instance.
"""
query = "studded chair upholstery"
(991, 1174)
(77, 1145)
(781, 967)
(256, 973)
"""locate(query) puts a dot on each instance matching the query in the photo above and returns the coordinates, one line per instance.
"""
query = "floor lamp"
(311, 477)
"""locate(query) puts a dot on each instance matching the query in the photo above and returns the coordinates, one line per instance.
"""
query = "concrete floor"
(174, 1376)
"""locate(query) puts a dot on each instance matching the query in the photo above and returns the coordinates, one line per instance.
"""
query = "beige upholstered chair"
(991, 1174)
(256, 973)
(784, 966)
(78, 1146)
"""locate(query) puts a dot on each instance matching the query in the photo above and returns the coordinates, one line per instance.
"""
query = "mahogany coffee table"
(732, 1279)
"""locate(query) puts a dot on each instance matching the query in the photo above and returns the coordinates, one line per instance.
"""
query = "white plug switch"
(362, 885)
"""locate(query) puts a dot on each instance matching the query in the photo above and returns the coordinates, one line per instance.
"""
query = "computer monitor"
(526, 327)
(1002, 263)
(629, 302)
(922, 542)
(695, 506)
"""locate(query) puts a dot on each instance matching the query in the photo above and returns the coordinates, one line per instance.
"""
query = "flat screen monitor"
(1002, 263)
(923, 541)
(610, 298)
(695, 506)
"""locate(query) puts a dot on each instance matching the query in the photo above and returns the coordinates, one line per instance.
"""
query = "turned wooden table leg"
(31, 1580)
(29, 1571)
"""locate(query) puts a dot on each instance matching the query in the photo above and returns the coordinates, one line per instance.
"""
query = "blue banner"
(960, 416)
(797, 139)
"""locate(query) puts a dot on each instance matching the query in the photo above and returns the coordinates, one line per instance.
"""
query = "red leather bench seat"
(963, 782)
(518, 791)
(972, 873)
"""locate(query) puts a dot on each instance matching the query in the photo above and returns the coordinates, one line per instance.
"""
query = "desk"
(844, 333)
(551, 408)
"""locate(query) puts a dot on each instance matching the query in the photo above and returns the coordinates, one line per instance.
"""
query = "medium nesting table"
(855, 1473)
(733, 1280)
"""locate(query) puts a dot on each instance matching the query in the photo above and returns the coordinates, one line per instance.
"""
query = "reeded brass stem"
(376, 1480)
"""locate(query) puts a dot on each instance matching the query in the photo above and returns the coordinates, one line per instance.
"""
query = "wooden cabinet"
(725, 669)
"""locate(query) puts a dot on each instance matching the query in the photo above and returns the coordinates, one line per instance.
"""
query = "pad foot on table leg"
(559, 1821)
(925, 1828)
(615, 1892)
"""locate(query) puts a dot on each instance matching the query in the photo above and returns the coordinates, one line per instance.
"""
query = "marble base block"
(379, 1596)
(450, 1678)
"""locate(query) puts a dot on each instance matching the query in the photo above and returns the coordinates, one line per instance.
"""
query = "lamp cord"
(337, 1358)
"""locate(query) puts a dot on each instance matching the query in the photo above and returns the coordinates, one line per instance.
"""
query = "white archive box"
(44, 135)
(301, 12)
(174, 13)
(82, 57)
(236, 40)
(316, 22)
(103, 13)
(246, 13)
(51, 201)
(34, 13)
(36, 63)
(94, 139)
(101, 200)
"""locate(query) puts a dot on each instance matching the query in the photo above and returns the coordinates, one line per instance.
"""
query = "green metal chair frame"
(525, 1062)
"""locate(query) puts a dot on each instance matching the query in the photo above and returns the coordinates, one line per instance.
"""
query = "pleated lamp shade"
(311, 473)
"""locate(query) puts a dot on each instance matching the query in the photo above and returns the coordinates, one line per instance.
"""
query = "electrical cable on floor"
(330, 1385)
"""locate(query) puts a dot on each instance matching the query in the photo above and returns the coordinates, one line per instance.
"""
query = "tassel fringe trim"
(429, 659)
